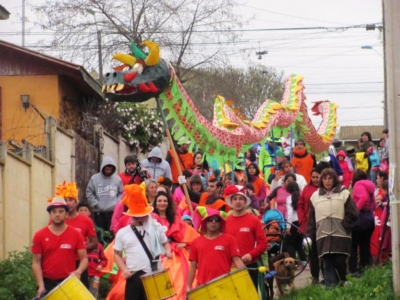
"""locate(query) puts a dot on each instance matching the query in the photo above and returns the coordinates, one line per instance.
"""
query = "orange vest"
(185, 161)
(304, 166)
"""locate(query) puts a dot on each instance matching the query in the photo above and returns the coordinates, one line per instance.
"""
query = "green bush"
(16, 277)
(376, 283)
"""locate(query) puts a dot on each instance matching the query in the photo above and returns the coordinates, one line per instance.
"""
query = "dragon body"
(230, 132)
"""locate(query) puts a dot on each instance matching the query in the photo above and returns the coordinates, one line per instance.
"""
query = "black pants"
(50, 284)
(134, 289)
(84, 276)
(334, 269)
(103, 220)
(253, 273)
(293, 243)
(314, 260)
(360, 243)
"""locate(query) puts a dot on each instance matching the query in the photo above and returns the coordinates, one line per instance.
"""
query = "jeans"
(103, 219)
(334, 269)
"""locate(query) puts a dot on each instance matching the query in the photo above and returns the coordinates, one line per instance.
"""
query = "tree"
(181, 27)
(248, 88)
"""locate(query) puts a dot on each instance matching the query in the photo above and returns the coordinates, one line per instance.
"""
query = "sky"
(331, 59)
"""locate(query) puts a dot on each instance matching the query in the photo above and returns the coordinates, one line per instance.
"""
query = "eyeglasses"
(214, 219)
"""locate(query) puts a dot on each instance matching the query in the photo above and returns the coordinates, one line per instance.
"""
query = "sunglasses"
(214, 219)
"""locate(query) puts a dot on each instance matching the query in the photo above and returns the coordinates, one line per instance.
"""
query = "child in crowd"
(347, 168)
(188, 219)
(97, 259)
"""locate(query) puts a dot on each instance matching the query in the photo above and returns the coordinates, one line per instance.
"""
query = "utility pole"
(23, 23)
(391, 13)
(100, 56)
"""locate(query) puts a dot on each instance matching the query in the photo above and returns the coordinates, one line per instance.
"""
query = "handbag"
(154, 263)
(365, 219)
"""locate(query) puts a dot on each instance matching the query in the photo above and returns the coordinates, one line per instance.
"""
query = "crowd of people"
(341, 203)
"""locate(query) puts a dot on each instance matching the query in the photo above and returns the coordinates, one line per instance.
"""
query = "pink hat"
(232, 190)
(202, 213)
(341, 153)
(57, 202)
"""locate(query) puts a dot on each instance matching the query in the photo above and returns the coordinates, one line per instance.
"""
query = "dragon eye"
(127, 68)
(138, 68)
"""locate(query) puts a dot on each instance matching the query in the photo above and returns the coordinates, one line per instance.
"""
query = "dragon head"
(140, 77)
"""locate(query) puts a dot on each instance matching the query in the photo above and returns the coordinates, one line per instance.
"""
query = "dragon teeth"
(119, 87)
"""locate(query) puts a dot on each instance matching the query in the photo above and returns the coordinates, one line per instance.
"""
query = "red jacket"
(96, 257)
(303, 207)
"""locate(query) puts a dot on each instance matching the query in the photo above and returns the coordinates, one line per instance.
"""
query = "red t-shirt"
(83, 224)
(58, 251)
(214, 257)
(248, 233)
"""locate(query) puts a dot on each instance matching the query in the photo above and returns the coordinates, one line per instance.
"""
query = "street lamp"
(385, 118)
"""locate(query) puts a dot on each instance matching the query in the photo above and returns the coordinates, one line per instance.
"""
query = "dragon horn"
(154, 56)
(137, 52)
(125, 58)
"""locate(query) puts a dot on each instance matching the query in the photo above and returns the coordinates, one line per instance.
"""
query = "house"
(34, 86)
(349, 135)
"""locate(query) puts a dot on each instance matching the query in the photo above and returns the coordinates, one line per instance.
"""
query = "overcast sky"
(332, 61)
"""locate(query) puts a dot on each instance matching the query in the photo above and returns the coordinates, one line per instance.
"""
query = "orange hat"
(136, 201)
(67, 190)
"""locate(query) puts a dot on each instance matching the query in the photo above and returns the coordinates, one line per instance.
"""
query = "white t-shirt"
(291, 213)
(136, 257)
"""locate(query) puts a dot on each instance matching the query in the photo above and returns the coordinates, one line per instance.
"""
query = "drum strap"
(146, 249)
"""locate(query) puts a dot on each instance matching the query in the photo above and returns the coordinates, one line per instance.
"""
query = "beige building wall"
(27, 182)
(17, 203)
(65, 150)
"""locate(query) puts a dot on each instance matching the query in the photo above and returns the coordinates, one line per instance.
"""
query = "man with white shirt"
(128, 239)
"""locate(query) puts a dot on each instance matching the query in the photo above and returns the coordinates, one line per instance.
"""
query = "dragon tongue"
(128, 77)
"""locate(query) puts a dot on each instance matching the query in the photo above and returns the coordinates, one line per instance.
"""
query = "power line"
(219, 31)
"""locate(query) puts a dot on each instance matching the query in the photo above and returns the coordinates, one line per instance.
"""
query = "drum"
(158, 285)
(70, 289)
(234, 285)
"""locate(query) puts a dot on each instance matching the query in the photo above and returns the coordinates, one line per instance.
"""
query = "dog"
(269, 281)
(285, 269)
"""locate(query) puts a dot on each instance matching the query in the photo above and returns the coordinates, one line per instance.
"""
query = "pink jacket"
(344, 165)
(362, 192)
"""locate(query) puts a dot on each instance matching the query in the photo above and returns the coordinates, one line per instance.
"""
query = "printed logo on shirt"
(222, 248)
(65, 246)
(244, 229)
(78, 229)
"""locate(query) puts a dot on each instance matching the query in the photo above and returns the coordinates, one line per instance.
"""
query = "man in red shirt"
(213, 253)
(246, 229)
(132, 173)
(55, 248)
(81, 223)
